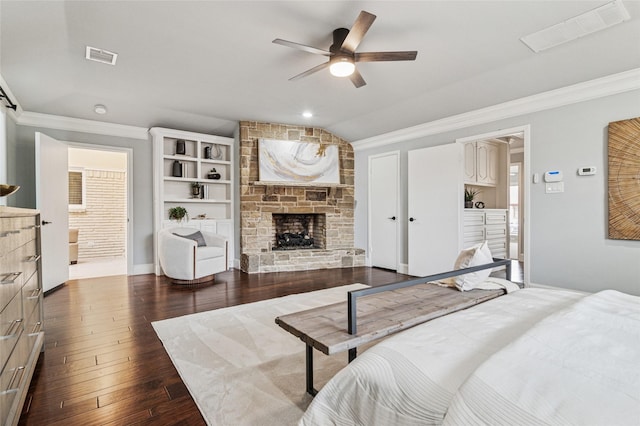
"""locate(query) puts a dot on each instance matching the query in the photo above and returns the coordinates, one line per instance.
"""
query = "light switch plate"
(553, 187)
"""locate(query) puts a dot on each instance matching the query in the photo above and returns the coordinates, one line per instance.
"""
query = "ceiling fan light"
(342, 67)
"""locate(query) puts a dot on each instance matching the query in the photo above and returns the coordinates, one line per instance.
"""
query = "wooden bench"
(382, 311)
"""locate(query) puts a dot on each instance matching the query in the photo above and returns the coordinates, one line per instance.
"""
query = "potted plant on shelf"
(178, 213)
(469, 196)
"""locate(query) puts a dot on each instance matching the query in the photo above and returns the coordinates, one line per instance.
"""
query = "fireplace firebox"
(298, 231)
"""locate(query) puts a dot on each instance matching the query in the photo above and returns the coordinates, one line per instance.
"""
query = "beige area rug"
(241, 368)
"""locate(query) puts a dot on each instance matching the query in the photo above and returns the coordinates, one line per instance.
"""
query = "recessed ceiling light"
(307, 114)
(100, 109)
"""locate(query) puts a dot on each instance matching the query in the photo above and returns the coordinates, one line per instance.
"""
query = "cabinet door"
(470, 162)
(487, 163)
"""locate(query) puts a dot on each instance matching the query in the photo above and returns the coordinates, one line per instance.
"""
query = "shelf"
(181, 157)
(196, 200)
(202, 181)
(222, 162)
(306, 184)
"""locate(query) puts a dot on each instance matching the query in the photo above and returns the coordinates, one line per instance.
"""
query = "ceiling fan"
(342, 53)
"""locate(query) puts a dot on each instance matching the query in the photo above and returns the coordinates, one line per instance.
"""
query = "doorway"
(98, 212)
(516, 207)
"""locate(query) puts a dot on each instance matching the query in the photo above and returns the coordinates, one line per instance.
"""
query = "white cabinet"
(489, 225)
(21, 312)
(183, 160)
(482, 163)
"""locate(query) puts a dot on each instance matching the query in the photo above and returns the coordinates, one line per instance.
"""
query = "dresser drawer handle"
(14, 378)
(35, 294)
(10, 278)
(36, 328)
(13, 330)
(33, 258)
(7, 233)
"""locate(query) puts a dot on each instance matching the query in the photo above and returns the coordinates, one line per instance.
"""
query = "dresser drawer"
(11, 378)
(473, 218)
(497, 246)
(11, 326)
(496, 217)
(473, 235)
(31, 295)
(32, 328)
(11, 277)
(496, 232)
(28, 255)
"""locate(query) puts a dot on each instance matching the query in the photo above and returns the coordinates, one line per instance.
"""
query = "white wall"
(568, 247)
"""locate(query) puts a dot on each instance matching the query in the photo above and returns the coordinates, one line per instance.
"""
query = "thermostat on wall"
(553, 176)
(586, 171)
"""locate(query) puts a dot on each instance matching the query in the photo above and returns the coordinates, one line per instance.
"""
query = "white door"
(383, 210)
(435, 201)
(52, 199)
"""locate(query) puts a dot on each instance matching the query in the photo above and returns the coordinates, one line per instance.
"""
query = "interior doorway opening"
(98, 212)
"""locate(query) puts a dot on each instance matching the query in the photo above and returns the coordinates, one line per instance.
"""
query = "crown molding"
(580, 92)
(35, 119)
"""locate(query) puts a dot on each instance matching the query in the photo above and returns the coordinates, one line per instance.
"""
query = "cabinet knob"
(411, 219)
(392, 218)
(44, 222)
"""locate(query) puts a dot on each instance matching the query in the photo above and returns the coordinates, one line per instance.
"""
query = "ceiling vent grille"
(597, 19)
(100, 55)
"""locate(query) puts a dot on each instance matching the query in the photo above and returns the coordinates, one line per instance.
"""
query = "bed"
(534, 356)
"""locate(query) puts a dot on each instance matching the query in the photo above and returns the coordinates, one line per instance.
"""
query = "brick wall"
(259, 202)
(103, 224)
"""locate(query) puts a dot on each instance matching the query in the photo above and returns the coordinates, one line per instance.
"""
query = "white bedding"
(411, 378)
(579, 366)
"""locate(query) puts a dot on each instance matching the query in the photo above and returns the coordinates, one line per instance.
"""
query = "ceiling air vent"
(597, 19)
(100, 55)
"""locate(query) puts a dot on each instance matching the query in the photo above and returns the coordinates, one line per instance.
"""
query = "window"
(77, 190)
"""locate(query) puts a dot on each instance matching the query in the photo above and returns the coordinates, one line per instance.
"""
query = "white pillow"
(473, 256)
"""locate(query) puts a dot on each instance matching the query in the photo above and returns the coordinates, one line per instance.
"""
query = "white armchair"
(184, 261)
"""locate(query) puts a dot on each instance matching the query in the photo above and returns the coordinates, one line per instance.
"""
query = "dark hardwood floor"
(103, 363)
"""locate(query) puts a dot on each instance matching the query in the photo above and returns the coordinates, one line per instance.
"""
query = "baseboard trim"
(142, 269)
(403, 268)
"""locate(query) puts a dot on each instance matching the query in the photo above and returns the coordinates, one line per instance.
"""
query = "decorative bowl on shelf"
(8, 189)
(213, 174)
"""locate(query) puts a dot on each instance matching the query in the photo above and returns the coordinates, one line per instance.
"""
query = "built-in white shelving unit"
(176, 173)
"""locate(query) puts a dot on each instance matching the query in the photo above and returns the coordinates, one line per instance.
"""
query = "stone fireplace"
(320, 212)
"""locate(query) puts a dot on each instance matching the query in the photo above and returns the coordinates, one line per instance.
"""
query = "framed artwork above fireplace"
(298, 162)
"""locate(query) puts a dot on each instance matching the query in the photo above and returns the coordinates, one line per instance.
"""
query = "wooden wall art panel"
(624, 179)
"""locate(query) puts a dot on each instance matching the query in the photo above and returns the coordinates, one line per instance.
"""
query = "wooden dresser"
(21, 313)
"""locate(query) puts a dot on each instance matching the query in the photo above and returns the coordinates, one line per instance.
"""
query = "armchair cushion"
(196, 236)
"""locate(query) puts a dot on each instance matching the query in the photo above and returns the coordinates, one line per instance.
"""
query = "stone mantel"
(259, 200)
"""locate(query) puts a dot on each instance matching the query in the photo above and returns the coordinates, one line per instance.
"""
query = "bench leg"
(353, 353)
(310, 389)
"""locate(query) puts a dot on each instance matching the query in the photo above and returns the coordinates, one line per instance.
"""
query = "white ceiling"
(204, 65)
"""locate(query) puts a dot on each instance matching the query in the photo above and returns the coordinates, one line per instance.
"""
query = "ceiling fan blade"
(358, 30)
(310, 71)
(386, 56)
(302, 47)
(356, 79)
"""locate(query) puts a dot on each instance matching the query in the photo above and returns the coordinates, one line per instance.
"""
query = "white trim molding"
(35, 119)
(580, 92)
